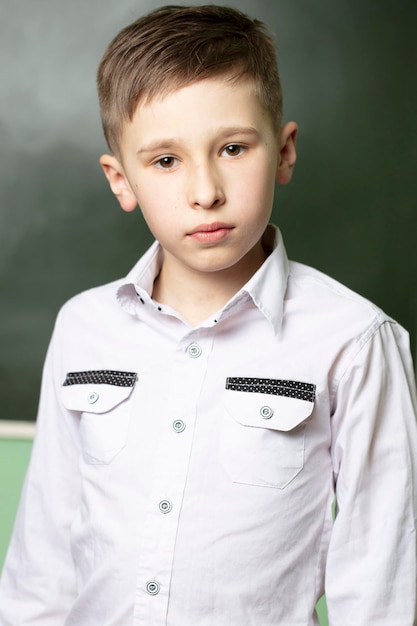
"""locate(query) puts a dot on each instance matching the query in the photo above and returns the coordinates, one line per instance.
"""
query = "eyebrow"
(165, 145)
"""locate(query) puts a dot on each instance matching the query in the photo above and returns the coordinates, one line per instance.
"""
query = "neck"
(196, 295)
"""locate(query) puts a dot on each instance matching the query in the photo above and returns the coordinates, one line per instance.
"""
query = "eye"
(233, 150)
(166, 162)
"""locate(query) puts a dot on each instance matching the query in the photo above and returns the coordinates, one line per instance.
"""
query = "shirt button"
(178, 426)
(194, 350)
(152, 587)
(93, 397)
(266, 412)
(165, 506)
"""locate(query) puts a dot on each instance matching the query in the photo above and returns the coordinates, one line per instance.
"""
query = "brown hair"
(174, 46)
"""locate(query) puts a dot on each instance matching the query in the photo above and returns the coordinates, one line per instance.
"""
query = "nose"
(205, 186)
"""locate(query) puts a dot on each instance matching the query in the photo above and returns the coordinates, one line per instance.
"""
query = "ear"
(113, 171)
(287, 153)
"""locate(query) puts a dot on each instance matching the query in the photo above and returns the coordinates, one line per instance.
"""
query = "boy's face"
(202, 163)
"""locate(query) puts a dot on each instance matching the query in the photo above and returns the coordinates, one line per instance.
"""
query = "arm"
(38, 582)
(371, 568)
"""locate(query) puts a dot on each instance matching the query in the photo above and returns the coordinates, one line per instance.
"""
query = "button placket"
(188, 371)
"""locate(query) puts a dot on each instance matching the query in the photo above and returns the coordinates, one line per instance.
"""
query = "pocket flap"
(262, 410)
(95, 397)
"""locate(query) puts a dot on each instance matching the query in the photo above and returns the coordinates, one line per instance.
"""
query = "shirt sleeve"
(371, 568)
(38, 580)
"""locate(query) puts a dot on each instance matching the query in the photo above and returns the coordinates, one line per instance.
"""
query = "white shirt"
(185, 475)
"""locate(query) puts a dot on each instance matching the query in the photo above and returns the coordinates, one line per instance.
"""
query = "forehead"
(197, 108)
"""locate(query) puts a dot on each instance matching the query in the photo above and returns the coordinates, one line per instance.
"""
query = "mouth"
(211, 233)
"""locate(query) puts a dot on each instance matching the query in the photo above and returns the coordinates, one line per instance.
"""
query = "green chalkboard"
(348, 72)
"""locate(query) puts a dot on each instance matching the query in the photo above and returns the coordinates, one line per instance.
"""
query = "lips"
(209, 228)
(210, 233)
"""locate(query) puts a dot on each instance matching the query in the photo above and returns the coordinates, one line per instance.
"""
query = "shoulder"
(314, 284)
(97, 305)
(102, 295)
(328, 300)
(338, 324)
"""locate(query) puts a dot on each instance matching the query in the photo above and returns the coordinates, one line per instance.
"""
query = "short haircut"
(175, 46)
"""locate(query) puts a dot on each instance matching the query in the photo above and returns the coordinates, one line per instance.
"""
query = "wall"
(348, 71)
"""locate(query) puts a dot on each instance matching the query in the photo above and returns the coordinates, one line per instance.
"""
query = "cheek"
(156, 195)
(257, 189)
(159, 213)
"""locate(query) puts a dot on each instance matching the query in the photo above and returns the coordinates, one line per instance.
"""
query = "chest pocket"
(262, 441)
(102, 397)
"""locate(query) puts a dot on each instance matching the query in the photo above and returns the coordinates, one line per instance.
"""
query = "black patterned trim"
(101, 377)
(287, 388)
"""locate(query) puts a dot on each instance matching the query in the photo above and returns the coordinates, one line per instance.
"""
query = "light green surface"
(322, 612)
(14, 459)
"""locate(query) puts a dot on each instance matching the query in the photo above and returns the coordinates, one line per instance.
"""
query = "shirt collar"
(266, 288)
(268, 285)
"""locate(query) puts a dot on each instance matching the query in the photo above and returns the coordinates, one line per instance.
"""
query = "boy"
(197, 418)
